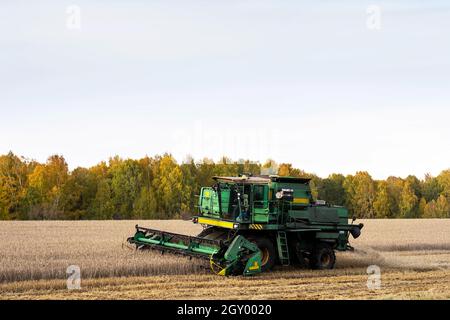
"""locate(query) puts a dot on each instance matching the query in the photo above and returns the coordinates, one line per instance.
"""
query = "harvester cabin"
(257, 199)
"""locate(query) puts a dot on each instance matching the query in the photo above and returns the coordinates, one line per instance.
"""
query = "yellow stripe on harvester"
(217, 223)
(256, 226)
(301, 200)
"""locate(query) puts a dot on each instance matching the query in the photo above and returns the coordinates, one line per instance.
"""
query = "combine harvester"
(252, 223)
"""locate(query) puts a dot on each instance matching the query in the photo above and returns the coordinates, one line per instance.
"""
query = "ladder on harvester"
(283, 251)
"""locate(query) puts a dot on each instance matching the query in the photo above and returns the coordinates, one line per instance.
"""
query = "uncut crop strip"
(44, 249)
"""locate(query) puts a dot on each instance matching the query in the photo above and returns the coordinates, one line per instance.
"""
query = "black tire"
(269, 254)
(323, 257)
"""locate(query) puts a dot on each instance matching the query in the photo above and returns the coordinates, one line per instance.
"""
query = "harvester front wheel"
(268, 252)
(323, 257)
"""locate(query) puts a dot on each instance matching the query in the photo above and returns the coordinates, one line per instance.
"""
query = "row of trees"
(160, 188)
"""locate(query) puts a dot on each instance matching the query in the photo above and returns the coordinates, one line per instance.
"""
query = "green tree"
(226, 167)
(205, 172)
(103, 204)
(126, 186)
(78, 193)
(168, 186)
(332, 189)
(416, 185)
(315, 184)
(146, 205)
(430, 188)
(191, 187)
(251, 167)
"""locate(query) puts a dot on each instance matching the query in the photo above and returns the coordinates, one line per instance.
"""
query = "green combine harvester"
(252, 223)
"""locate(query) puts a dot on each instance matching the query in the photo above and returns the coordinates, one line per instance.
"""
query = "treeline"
(160, 188)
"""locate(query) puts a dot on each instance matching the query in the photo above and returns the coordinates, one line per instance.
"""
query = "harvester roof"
(244, 179)
(261, 179)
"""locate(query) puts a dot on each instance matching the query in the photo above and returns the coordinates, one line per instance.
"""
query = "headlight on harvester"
(236, 226)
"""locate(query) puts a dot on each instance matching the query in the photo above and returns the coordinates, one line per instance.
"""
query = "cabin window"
(258, 196)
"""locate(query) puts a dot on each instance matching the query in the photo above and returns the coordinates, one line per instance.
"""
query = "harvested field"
(414, 257)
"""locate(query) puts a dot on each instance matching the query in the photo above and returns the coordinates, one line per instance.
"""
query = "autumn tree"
(442, 207)
(360, 191)
(395, 188)
(270, 167)
(284, 169)
(408, 201)
(13, 184)
(158, 188)
(46, 188)
(422, 206)
(437, 208)
(381, 203)
(443, 180)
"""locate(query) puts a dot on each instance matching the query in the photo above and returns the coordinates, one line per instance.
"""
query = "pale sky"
(306, 82)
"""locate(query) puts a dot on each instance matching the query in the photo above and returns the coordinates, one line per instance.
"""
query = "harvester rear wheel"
(268, 252)
(323, 257)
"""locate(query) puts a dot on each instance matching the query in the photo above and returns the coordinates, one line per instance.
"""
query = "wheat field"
(414, 257)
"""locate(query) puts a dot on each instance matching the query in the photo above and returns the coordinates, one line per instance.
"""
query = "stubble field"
(413, 256)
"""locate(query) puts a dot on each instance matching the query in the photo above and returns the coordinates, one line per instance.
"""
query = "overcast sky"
(327, 87)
